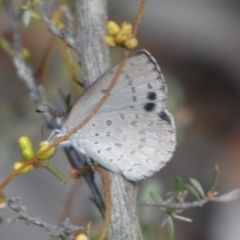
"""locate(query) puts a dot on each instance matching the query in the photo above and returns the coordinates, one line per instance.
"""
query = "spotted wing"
(133, 143)
(141, 85)
(132, 133)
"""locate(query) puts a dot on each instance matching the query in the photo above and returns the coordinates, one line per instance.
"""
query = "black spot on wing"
(149, 106)
(118, 145)
(149, 86)
(163, 115)
(152, 96)
(109, 122)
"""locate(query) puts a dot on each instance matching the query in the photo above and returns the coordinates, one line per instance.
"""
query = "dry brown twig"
(98, 106)
(94, 111)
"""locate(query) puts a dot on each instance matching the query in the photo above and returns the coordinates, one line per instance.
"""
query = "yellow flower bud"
(25, 7)
(60, 26)
(27, 169)
(81, 236)
(24, 142)
(34, 2)
(127, 28)
(42, 146)
(131, 43)
(27, 153)
(26, 54)
(112, 28)
(121, 37)
(110, 41)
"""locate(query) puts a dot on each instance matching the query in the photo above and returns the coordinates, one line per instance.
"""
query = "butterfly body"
(132, 133)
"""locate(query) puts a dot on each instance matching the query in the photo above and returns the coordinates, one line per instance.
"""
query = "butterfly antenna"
(56, 101)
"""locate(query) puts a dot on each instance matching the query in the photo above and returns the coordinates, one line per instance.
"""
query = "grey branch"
(92, 17)
(77, 161)
(25, 73)
(35, 90)
(65, 34)
(65, 231)
(69, 21)
(94, 54)
(228, 197)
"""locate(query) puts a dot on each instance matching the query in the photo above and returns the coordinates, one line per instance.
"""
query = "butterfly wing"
(134, 143)
(140, 85)
(132, 133)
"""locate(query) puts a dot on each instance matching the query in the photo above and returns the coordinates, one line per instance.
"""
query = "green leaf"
(165, 221)
(197, 186)
(214, 179)
(192, 190)
(27, 16)
(170, 227)
(184, 194)
(171, 210)
(172, 194)
(178, 184)
(155, 196)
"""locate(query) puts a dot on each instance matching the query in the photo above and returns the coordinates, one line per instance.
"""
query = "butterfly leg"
(56, 133)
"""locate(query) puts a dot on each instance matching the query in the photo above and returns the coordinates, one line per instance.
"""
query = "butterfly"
(132, 133)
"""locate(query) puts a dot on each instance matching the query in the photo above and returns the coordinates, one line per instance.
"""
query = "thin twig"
(106, 183)
(139, 17)
(27, 76)
(75, 129)
(25, 73)
(75, 160)
(69, 19)
(64, 231)
(64, 34)
(228, 197)
(107, 218)
(182, 205)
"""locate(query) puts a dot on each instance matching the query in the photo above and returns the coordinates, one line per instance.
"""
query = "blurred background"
(197, 45)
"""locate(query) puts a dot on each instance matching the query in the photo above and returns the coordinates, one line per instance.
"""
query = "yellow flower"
(81, 237)
(42, 146)
(127, 28)
(112, 28)
(24, 142)
(131, 43)
(17, 165)
(110, 41)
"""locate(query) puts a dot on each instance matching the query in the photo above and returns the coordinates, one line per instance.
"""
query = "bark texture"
(94, 57)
